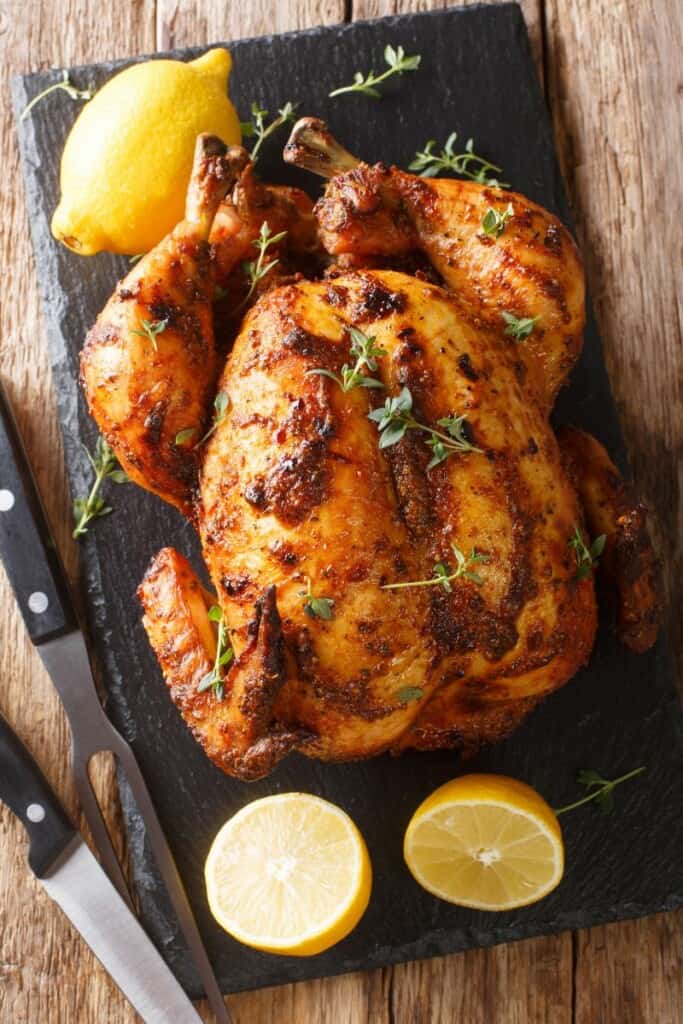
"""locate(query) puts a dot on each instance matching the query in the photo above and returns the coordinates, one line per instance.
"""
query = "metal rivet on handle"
(38, 602)
(6, 500)
(35, 813)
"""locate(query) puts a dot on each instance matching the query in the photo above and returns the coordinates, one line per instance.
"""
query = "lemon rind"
(553, 837)
(356, 886)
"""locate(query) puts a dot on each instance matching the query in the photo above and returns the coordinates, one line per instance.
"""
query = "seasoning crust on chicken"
(379, 593)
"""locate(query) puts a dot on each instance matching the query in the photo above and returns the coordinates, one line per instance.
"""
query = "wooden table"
(609, 70)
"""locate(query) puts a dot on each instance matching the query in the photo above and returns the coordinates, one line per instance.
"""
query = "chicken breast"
(297, 494)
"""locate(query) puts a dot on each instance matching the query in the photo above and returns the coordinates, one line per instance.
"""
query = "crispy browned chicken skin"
(296, 498)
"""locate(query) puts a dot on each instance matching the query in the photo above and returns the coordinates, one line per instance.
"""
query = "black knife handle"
(25, 790)
(26, 544)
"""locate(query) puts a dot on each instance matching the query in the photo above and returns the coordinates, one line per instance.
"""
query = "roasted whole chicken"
(399, 543)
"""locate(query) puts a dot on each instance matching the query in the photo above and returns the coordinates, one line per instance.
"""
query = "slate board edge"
(442, 943)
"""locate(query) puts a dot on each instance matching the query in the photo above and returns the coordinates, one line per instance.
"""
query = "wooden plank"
(46, 973)
(630, 972)
(181, 23)
(520, 983)
(614, 92)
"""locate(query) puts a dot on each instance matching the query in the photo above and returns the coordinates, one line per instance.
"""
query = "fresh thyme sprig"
(398, 63)
(494, 222)
(258, 127)
(599, 789)
(468, 164)
(316, 607)
(396, 417)
(105, 466)
(221, 404)
(518, 328)
(443, 575)
(224, 655)
(150, 329)
(65, 86)
(256, 270)
(586, 557)
(366, 354)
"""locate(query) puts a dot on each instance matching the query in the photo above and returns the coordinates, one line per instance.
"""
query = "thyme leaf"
(183, 436)
(443, 575)
(259, 129)
(256, 270)
(224, 654)
(518, 328)
(599, 789)
(65, 86)
(398, 62)
(494, 221)
(587, 558)
(93, 506)
(467, 164)
(366, 354)
(395, 417)
(221, 404)
(316, 607)
(150, 329)
(409, 693)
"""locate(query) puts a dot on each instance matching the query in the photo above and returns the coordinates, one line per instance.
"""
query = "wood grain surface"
(609, 68)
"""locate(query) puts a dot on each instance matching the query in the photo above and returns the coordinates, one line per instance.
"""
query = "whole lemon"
(126, 163)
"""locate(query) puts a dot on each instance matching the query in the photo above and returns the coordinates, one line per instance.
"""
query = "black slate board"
(477, 76)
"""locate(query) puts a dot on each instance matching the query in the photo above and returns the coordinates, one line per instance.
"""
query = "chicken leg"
(532, 270)
(148, 366)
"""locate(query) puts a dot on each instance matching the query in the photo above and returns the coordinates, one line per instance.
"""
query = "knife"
(71, 876)
(40, 586)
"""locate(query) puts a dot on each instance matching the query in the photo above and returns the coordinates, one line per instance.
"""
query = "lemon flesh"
(289, 874)
(487, 842)
(127, 161)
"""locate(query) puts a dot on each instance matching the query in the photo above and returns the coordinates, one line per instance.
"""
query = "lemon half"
(289, 874)
(126, 163)
(487, 842)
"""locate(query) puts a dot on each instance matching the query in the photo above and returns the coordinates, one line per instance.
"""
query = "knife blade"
(72, 878)
(33, 567)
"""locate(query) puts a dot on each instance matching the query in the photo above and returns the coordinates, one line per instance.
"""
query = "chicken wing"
(237, 733)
